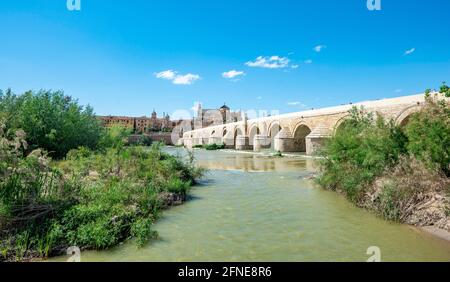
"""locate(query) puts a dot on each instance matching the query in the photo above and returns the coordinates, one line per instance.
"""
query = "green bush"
(361, 149)
(214, 147)
(141, 230)
(114, 137)
(53, 121)
(93, 200)
(428, 133)
(445, 89)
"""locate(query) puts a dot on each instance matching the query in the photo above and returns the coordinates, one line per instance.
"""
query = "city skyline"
(279, 55)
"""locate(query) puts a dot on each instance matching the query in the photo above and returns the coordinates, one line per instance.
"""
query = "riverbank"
(95, 201)
(400, 173)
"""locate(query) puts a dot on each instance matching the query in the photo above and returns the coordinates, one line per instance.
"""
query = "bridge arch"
(224, 131)
(274, 129)
(237, 131)
(403, 118)
(340, 123)
(253, 131)
(301, 131)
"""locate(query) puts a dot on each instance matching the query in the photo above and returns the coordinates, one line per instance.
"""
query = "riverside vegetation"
(66, 181)
(401, 173)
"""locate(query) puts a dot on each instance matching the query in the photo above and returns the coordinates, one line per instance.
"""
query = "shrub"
(360, 151)
(93, 200)
(141, 230)
(445, 90)
(428, 133)
(53, 121)
(114, 137)
(214, 147)
(405, 190)
(32, 196)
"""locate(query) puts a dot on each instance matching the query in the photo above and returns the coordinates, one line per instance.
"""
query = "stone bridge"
(301, 131)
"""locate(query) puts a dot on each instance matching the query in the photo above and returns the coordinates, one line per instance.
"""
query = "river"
(256, 208)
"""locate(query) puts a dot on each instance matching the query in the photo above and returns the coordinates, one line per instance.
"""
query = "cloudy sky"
(129, 57)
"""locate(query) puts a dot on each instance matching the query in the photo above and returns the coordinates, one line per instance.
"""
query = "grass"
(210, 147)
(278, 154)
(214, 147)
(93, 200)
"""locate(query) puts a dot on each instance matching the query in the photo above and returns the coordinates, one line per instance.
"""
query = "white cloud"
(273, 62)
(308, 62)
(398, 90)
(168, 74)
(258, 98)
(232, 74)
(186, 79)
(319, 48)
(410, 51)
(295, 66)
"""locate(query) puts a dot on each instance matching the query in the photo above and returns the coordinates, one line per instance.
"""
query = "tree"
(428, 133)
(53, 121)
(445, 89)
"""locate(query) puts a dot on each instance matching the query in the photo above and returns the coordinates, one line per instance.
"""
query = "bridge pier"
(242, 143)
(215, 140)
(260, 142)
(196, 141)
(317, 138)
(188, 143)
(229, 143)
(284, 141)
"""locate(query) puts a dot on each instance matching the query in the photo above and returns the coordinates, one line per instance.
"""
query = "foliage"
(445, 89)
(114, 137)
(93, 200)
(214, 147)
(278, 154)
(428, 133)
(360, 151)
(32, 196)
(53, 121)
(120, 195)
(140, 140)
(402, 191)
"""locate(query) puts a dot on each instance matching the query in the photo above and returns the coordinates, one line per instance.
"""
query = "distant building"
(222, 115)
(141, 124)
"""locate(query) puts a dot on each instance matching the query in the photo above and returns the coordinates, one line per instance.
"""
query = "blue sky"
(128, 57)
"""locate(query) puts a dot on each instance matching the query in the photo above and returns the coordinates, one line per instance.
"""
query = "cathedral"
(222, 115)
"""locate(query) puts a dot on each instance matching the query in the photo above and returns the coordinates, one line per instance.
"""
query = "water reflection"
(249, 162)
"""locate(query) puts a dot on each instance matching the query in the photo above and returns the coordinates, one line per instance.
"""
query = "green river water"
(255, 208)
